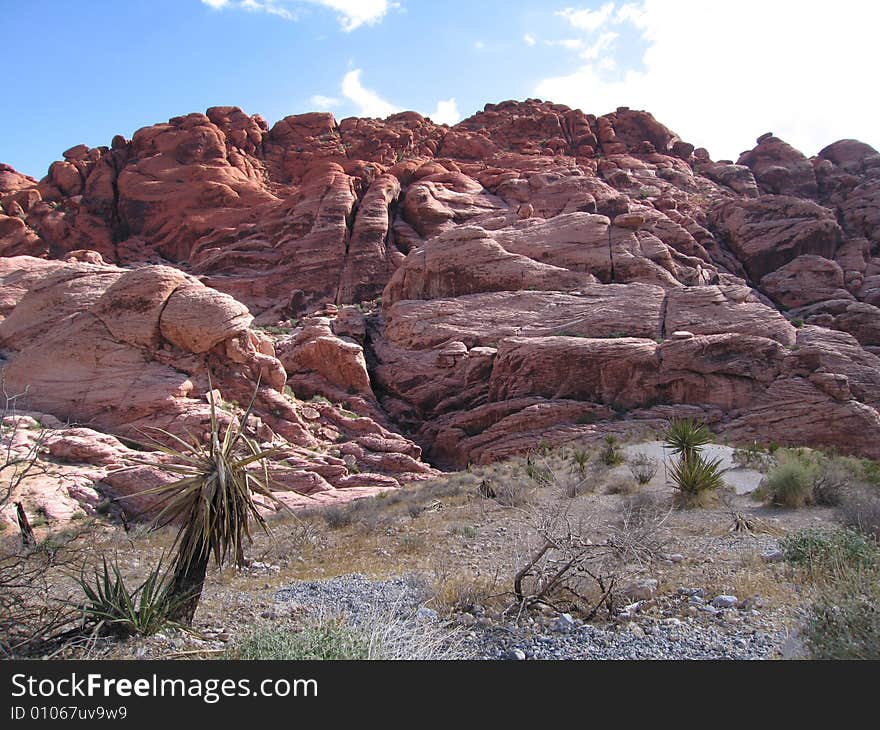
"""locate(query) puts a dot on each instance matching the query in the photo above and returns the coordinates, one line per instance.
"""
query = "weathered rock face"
(532, 274)
(128, 351)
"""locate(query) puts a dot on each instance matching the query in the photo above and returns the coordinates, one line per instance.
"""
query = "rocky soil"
(437, 562)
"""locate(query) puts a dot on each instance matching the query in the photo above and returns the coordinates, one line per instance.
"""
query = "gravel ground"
(713, 634)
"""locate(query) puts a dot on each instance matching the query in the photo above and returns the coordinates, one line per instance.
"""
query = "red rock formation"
(544, 274)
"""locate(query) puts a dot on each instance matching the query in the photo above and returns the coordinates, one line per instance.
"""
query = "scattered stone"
(724, 601)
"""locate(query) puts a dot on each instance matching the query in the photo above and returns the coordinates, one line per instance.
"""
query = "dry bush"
(382, 634)
(460, 591)
(566, 570)
(643, 467)
(859, 508)
(34, 613)
(622, 485)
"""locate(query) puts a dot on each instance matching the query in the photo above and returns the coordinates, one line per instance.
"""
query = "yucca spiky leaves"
(212, 500)
(112, 607)
(693, 475)
(685, 437)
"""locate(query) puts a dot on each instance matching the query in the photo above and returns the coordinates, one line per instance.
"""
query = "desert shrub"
(752, 457)
(859, 508)
(512, 493)
(572, 484)
(611, 455)
(622, 485)
(843, 618)
(643, 468)
(211, 502)
(790, 484)
(643, 508)
(843, 622)
(539, 473)
(686, 437)
(803, 477)
(336, 517)
(825, 553)
(325, 640)
(462, 591)
(694, 476)
(379, 634)
(35, 615)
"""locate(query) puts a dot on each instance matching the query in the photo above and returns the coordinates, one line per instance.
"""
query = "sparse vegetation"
(843, 620)
(752, 457)
(825, 552)
(330, 639)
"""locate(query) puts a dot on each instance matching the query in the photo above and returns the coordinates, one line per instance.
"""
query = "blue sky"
(718, 73)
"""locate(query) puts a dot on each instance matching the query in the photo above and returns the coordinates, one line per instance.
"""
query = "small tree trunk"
(27, 533)
(186, 588)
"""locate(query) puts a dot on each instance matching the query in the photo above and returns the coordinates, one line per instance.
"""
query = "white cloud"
(446, 112)
(588, 20)
(529, 39)
(367, 102)
(352, 14)
(604, 41)
(355, 13)
(720, 74)
(323, 103)
(571, 44)
(479, 45)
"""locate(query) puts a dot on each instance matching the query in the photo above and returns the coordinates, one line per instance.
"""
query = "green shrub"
(336, 517)
(843, 619)
(327, 640)
(686, 437)
(790, 484)
(843, 622)
(859, 508)
(581, 457)
(751, 457)
(539, 473)
(825, 553)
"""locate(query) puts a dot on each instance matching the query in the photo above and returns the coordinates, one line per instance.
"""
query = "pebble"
(699, 637)
(725, 601)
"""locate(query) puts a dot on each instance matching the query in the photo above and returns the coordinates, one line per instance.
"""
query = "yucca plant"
(610, 455)
(692, 474)
(685, 437)
(581, 457)
(112, 607)
(695, 477)
(212, 501)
